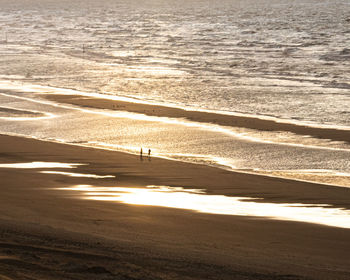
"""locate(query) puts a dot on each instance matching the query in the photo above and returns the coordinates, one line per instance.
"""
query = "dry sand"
(47, 233)
(206, 117)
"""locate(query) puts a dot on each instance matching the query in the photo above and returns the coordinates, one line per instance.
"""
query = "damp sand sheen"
(196, 200)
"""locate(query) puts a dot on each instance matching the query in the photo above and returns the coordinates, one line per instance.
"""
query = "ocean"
(287, 61)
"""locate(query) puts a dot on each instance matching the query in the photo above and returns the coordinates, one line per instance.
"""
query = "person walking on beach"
(141, 153)
(149, 152)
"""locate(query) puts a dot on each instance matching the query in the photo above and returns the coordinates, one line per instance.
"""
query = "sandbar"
(333, 134)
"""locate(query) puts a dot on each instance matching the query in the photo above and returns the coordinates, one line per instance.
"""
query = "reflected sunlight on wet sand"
(198, 200)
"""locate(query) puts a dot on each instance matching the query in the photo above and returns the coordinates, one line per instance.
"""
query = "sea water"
(289, 59)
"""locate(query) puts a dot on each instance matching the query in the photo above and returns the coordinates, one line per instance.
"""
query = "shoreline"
(202, 117)
(53, 234)
(251, 178)
(277, 174)
(11, 85)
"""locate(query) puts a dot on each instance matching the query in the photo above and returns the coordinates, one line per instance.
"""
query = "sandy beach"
(47, 233)
(174, 140)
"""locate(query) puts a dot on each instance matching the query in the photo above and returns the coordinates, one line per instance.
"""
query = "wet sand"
(47, 233)
(9, 112)
(206, 117)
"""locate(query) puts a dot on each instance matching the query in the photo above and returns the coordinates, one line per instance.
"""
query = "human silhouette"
(149, 154)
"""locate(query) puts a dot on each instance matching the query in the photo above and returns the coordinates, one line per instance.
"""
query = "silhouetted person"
(149, 154)
(141, 154)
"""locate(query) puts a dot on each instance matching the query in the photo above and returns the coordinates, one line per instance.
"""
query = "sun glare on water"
(39, 164)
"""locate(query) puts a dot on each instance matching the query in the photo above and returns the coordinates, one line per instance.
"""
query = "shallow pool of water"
(198, 200)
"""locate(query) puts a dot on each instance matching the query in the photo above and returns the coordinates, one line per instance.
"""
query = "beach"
(50, 233)
(174, 140)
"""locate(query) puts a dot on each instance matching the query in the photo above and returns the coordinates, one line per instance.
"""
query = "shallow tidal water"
(176, 139)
